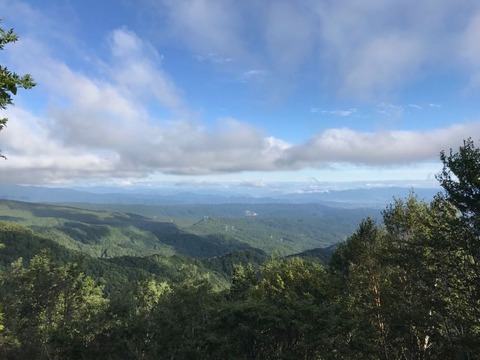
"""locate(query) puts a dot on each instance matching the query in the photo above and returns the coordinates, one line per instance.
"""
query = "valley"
(206, 230)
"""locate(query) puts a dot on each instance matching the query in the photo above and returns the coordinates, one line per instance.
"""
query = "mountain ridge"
(373, 196)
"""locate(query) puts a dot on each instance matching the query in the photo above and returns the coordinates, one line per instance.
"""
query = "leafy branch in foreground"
(10, 81)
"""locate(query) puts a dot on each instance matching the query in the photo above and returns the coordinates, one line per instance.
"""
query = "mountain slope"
(116, 273)
(110, 234)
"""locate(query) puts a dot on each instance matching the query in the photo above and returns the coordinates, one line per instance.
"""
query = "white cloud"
(383, 148)
(34, 156)
(138, 69)
(81, 144)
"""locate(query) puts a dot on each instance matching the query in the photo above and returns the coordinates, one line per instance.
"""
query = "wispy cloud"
(397, 112)
(257, 75)
(253, 184)
(469, 49)
(357, 58)
(206, 27)
(415, 106)
(214, 58)
(390, 111)
(340, 113)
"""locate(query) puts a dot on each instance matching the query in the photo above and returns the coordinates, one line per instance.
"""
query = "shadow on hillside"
(68, 214)
(90, 228)
(11, 218)
(190, 244)
(85, 233)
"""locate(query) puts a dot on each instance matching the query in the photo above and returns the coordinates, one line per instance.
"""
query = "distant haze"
(342, 195)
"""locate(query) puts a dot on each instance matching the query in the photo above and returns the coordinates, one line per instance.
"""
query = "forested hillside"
(194, 230)
(404, 287)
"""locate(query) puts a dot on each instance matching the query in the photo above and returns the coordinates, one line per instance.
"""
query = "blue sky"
(219, 91)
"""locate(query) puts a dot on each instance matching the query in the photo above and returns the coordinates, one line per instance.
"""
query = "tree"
(364, 284)
(53, 311)
(411, 287)
(10, 81)
(135, 332)
(460, 178)
(280, 311)
(417, 233)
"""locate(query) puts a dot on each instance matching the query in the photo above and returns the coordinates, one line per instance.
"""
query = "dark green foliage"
(460, 177)
(117, 272)
(280, 311)
(21, 242)
(225, 264)
(408, 287)
(322, 255)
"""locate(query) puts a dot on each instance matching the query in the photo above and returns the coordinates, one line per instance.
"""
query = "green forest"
(193, 230)
(406, 286)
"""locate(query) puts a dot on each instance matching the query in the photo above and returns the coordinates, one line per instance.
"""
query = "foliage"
(410, 286)
(281, 311)
(53, 311)
(10, 81)
(461, 181)
(460, 178)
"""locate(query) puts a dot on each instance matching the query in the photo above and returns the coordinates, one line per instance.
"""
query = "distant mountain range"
(371, 197)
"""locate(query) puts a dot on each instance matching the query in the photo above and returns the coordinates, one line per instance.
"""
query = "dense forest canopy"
(407, 287)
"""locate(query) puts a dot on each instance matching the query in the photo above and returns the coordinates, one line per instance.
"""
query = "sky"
(145, 92)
